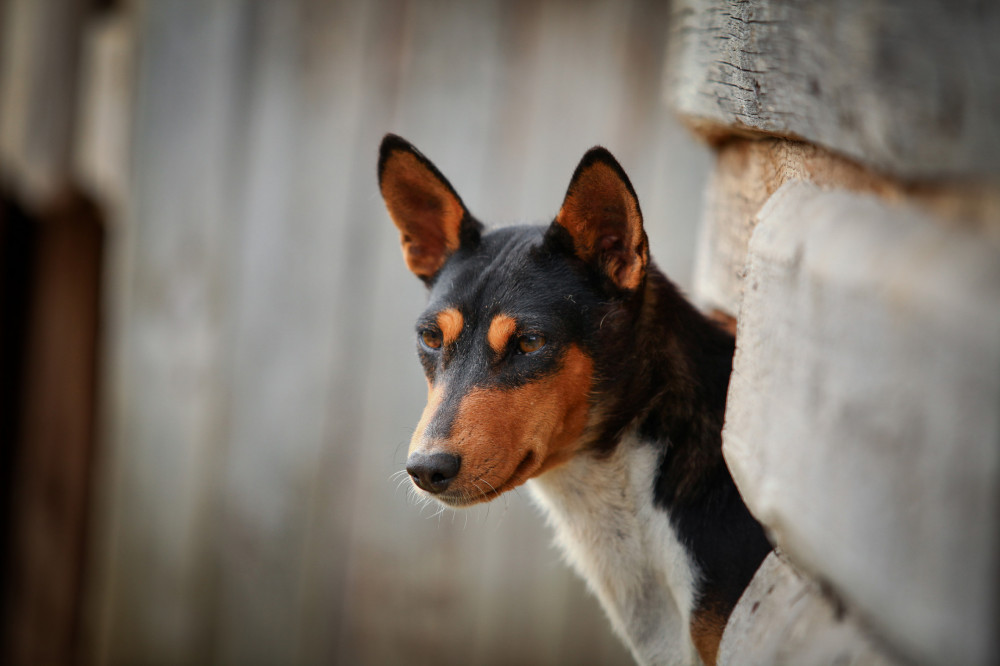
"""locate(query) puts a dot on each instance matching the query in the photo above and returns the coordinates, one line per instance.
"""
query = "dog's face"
(508, 367)
(513, 321)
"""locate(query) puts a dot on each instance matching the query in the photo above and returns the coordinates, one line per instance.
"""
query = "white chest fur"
(625, 548)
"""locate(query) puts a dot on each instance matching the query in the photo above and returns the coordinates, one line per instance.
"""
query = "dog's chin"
(462, 498)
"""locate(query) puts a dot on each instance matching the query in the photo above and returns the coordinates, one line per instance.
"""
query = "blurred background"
(208, 367)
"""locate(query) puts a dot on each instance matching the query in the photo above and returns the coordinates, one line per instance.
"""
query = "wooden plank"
(747, 172)
(862, 424)
(300, 298)
(38, 83)
(349, 66)
(102, 165)
(906, 87)
(17, 243)
(55, 438)
(107, 74)
(167, 363)
(785, 617)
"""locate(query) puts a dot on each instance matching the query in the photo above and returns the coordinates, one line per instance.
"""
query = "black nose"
(433, 472)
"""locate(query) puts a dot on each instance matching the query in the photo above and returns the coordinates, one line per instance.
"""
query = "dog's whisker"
(400, 485)
(502, 515)
(480, 493)
(491, 487)
(400, 479)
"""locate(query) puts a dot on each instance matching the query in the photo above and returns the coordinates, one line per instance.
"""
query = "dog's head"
(514, 321)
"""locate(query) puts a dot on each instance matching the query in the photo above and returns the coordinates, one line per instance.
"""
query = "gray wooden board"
(167, 399)
(909, 87)
(39, 61)
(284, 335)
(784, 617)
(862, 424)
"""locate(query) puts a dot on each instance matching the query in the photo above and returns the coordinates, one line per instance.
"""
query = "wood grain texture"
(748, 171)
(55, 437)
(167, 368)
(786, 617)
(907, 87)
(861, 425)
(41, 42)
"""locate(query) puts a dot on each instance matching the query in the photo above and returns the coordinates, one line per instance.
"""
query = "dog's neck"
(649, 514)
(601, 507)
(663, 369)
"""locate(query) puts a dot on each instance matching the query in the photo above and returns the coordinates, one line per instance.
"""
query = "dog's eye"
(531, 342)
(431, 338)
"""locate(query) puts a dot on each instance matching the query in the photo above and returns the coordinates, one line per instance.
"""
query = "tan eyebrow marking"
(450, 322)
(501, 328)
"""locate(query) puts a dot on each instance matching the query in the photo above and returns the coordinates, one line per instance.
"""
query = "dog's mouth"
(482, 490)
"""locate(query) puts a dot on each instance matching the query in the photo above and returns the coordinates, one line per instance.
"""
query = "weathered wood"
(908, 87)
(107, 73)
(55, 439)
(785, 617)
(38, 83)
(168, 365)
(862, 423)
(748, 171)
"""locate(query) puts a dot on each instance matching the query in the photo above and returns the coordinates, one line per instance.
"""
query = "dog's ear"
(431, 218)
(601, 216)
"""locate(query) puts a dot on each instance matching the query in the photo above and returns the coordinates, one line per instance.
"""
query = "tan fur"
(506, 437)
(434, 396)
(450, 322)
(707, 626)
(599, 210)
(501, 328)
(425, 210)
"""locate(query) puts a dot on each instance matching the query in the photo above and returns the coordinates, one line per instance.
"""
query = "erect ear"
(601, 214)
(431, 218)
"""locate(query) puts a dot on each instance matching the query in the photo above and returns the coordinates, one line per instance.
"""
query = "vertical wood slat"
(352, 85)
(38, 83)
(54, 438)
(165, 399)
(285, 337)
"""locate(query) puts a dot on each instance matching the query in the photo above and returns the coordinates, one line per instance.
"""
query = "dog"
(560, 354)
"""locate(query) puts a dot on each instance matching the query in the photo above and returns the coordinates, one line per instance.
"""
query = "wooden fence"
(259, 380)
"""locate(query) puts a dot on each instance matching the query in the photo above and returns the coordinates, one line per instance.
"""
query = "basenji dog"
(560, 354)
